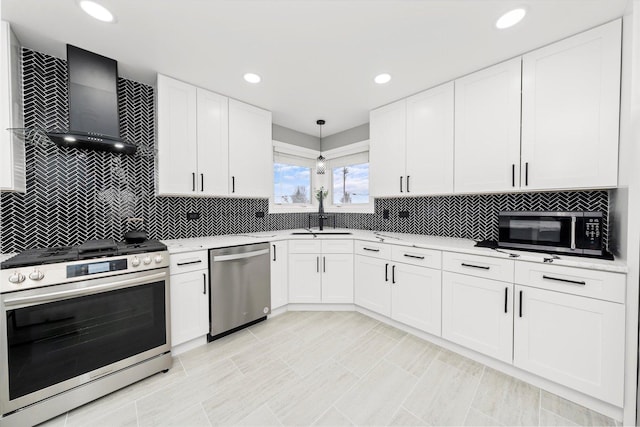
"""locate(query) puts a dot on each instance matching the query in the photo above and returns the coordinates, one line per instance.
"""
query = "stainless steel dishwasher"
(240, 287)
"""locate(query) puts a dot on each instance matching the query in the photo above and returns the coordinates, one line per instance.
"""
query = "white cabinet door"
(573, 340)
(570, 111)
(337, 278)
(429, 148)
(305, 278)
(189, 306)
(478, 313)
(213, 144)
(487, 129)
(177, 137)
(387, 150)
(279, 274)
(372, 284)
(250, 150)
(416, 297)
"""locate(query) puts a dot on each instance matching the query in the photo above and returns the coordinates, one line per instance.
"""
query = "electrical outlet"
(193, 215)
(403, 214)
(260, 214)
(385, 213)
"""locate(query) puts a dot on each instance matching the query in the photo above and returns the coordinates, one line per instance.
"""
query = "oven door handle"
(72, 293)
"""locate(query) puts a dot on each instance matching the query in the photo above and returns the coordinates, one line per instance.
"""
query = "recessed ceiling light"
(382, 78)
(252, 78)
(510, 18)
(97, 11)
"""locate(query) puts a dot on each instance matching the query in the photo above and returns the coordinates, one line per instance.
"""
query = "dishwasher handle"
(219, 258)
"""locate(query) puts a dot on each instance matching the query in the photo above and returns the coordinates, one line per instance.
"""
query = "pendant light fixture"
(320, 161)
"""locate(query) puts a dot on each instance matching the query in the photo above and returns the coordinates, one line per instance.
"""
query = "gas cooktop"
(89, 250)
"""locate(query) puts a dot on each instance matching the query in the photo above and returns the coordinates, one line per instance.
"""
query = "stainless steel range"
(77, 323)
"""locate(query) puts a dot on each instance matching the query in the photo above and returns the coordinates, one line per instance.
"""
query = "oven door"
(542, 231)
(58, 337)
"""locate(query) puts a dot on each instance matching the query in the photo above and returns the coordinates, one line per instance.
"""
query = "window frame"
(299, 156)
(356, 153)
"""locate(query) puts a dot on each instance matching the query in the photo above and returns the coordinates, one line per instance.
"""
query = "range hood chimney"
(93, 104)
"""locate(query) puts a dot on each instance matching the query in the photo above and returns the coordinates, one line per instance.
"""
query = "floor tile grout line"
(539, 406)
(475, 393)
(135, 405)
(205, 414)
(416, 385)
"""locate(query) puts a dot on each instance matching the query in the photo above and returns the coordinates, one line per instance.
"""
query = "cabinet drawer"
(417, 256)
(577, 281)
(337, 246)
(372, 249)
(305, 246)
(479, 266)
(188, 261)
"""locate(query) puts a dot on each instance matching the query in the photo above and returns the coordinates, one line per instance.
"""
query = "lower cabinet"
(478, 313)
(189, 306)
(304, 278)
(372, 290)
(279, 274)
(573, 340)
(321, 278)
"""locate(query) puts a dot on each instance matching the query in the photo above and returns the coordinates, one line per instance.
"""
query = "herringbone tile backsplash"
(75, 195)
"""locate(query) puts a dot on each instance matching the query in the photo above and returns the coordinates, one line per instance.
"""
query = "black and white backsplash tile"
(75, 195)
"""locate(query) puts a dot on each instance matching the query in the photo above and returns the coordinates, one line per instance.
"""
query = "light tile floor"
(328, 369)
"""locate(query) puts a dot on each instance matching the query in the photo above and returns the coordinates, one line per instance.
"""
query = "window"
(292, 180)
(351, 184)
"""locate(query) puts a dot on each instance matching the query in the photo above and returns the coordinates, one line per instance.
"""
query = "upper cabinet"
(411, 145)
(570, 111)
(12, 162)
(209, 145)
(250, 150)
(487, 129)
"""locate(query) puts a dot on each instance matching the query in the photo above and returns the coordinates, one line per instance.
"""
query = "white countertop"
(449, 244)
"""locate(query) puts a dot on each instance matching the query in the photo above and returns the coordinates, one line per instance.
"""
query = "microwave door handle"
(573, 232)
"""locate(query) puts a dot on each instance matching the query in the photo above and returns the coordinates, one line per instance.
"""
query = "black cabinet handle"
(193, 181)
(408, 183)
(393, 274)
(317, 264)
(526, 173)
(371, 250)
(413, 256)
(204, 283)
(274, 252)
(506, 296)
(324, 264)
(189, 262)
(386, 272)
(201, 182)
(401, 184)
(557, 279)
(520, 303)
(482, 267)
(233, 184)
(513, 175)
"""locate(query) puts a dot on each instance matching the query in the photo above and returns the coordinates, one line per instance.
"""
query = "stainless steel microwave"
(576, 233)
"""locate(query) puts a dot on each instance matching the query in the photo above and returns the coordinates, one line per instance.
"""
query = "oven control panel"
(21, 278)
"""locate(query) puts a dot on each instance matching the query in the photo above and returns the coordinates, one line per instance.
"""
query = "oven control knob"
(146, 260)
(135, 261)
(158, 259)
(16, 278)
(36, 275)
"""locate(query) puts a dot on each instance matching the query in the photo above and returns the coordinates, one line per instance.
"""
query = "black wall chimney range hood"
(93, 105)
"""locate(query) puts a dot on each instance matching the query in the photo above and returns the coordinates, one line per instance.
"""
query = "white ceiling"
(317, 58)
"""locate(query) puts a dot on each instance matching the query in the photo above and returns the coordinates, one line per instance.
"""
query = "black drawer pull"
(274, 252)
(386, 272)
(180, 264)
(204, 283)
(413, 256)
(557, 279)
(393, 274)
(371, 250)
(506, 297)
(481, 267)
(520, 303)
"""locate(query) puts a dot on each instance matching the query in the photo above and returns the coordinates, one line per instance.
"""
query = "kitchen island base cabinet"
(478, 313)
(189, 295)
(573, 340)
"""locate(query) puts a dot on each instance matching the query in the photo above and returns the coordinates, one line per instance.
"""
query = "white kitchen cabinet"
(321, 271)
(573, 340)
(372, 290)
(477, 313)
(570, 111)
(192, 140)
(279, 274)
(250, 151)
(487, 129)
(12, 161)
(411, 145)
(416, 297)
(189, 295)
